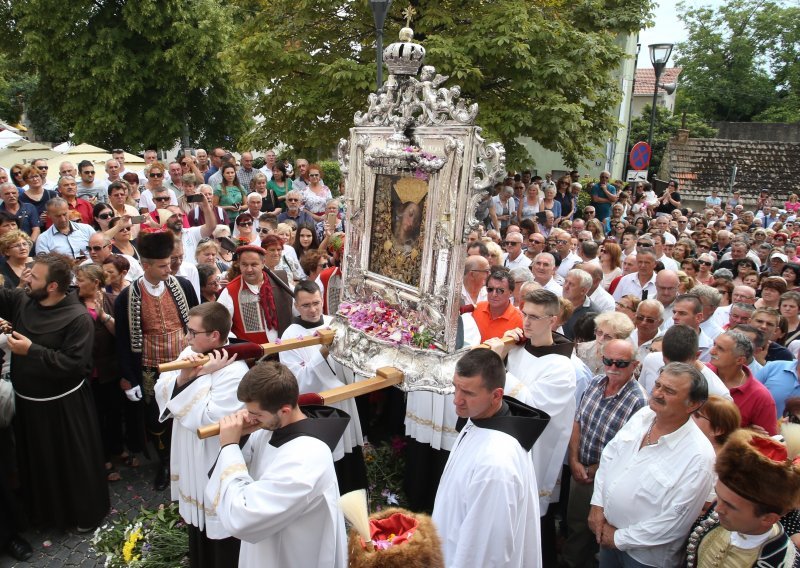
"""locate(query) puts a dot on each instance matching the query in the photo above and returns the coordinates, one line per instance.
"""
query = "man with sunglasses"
(562, 242)
(606, 405)
(155, 181)
(41, 165)
(497, 314)
(648, 319)
(294, 210)
(99, 248)
(88, 187)
(513, 258)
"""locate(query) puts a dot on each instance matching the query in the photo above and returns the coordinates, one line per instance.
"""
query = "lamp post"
(659, 55)
(379, 10)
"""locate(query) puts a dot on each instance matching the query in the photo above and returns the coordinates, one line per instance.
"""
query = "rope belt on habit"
(52, 397)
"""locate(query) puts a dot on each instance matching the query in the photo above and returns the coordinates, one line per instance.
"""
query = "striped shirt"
(601, 417)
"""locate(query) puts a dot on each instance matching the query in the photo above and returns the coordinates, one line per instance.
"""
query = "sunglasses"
(96, 248)
(156, 175)
(245, 224)
(619, 363)
(104, 216)
(91, 173)
(43, 168)
(490, 290)
(507, 243)
(645, 319)
(263, 231)
(161, 198)
(705, 262)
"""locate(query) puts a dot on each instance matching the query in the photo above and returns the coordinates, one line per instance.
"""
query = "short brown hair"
(215, 317)
(271, 385)
(310, 260)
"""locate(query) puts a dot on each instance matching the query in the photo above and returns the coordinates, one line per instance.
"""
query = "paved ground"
(53, 549)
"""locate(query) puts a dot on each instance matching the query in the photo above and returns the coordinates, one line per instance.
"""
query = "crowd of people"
(661, 340)
(628, 411)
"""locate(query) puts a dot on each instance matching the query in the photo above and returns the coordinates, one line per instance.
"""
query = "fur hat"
(760, 470)
(422, 550)
(156, 246)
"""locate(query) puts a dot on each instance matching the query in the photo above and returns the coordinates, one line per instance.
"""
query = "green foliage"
(131, 74)
(537, 68)
(741, 61)
(332, 175)
(666, 126)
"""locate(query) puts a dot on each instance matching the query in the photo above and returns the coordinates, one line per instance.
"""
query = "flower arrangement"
(422, 162)
(385, 470)
(153, 539)
(380, 320)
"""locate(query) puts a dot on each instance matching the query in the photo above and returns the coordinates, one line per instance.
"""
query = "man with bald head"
(513, 258)
(562, 242)
(246, 171)
(607, 404)
(649, 318)
(666, 291)
(67, 169)
(473, 288)
(741, 295)
(544, 269)
(100, 249)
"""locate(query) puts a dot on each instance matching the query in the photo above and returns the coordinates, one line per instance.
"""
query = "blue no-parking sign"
(640, 156)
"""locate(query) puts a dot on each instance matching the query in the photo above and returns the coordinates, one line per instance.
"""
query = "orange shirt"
(509, 319)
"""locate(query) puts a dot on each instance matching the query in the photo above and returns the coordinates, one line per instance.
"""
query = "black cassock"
(60, 453)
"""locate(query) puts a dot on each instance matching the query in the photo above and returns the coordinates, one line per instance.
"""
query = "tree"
(666, 126)
(740, 62)
(537, 68)
(130, 74)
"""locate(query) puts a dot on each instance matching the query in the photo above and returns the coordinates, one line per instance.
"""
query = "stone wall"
(769, 131)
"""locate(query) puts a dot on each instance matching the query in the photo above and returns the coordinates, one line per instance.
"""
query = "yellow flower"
(130, 544)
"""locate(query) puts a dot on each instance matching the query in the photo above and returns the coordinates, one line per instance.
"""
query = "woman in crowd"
(244, 226)
(793, 204)
(725, 287)
(210, 284)
(313, 262)
(108, 397)
(15, 246)
(628, 305)
(704, 275)
(549, 203)
(790, 310)
(225, 257)
(269, 199)
(121, 242)
(15, 175)
(608, 326)
(690, 266)
(641, 224)
(36, 194)
(306, 240)
(742, 268)
(595, 227)
(618, 229)
(134, 189)
(115, 270)
(790, 249)
(505, 208)
(229, 194)
(611, 263)
(279, 185)
(102, 213)
(288, 262)
(206, 252)
(772, 288)
(316, 195)
(529, 204)
(495, 254)
(685, 282)
(791, 273)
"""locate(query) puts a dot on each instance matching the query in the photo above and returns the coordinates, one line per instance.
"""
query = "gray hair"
(295, 193)
(62, 178)
(57, 202)
(584, 278)
(743, 347)
(698, 390)
(708, 293)
(8, 185)
(620, 324)
(521, 274)
(651, 303)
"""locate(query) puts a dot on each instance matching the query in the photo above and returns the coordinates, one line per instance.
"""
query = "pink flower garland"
(379, 320)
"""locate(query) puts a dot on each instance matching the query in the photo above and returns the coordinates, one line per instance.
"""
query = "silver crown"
(404, 57)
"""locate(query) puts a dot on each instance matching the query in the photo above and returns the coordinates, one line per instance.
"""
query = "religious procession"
(435, 361)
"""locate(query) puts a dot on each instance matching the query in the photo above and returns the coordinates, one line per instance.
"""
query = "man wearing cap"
(758, 481)
(259, 300)
(777, 261)
(150, 320)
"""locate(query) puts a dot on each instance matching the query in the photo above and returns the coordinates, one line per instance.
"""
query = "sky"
(667, 29)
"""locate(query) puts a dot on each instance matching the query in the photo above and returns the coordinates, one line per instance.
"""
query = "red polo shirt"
(509, 319)
(755, 403)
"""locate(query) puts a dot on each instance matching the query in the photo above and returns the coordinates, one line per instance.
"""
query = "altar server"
(278, 492)
(315, 372)
(487, 504)
(197, 397)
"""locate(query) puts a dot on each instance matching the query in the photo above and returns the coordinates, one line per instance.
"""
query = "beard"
(38, 295)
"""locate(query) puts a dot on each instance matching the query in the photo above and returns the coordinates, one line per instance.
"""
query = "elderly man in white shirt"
(563, 246)
(544, 268)
(642, 283)
(597, 294)
(654, 476)
(514, 258)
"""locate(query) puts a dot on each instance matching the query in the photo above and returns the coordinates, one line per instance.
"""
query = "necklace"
(647, 441)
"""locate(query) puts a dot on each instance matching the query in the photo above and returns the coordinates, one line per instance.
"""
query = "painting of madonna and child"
(398, 231)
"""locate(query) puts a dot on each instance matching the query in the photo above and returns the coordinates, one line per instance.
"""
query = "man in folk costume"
(278, 491)
(150, 320)
(259, 300)
(192, 398)
(543, 364)
(315, 372)
(487, 504)
(757, 483)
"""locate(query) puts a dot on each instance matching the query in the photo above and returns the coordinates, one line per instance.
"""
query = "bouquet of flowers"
(385, 469)
(153, 539)
(380, 320)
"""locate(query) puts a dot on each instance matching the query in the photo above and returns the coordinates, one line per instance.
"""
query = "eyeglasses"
(645, 319)
(96, 248)
(619, 363)
(490, 290)
(560, 242)
(263, 230)
(156, 175)
(194, 333)
(161, 198)
(478, 270)
(20, 246)
(623, 306)
(245, 224)
(104, 216)
(507, 243)
(599, 334)
(534, 317)
(313, 175)
(323, 265)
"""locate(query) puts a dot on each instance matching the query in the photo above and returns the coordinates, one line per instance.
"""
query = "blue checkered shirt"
(601, 417)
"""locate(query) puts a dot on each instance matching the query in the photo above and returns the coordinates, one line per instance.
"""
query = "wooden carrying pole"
(322, 337)
(385, 377)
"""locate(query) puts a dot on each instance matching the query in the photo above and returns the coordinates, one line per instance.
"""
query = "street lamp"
(659, 55)
(379, 10)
